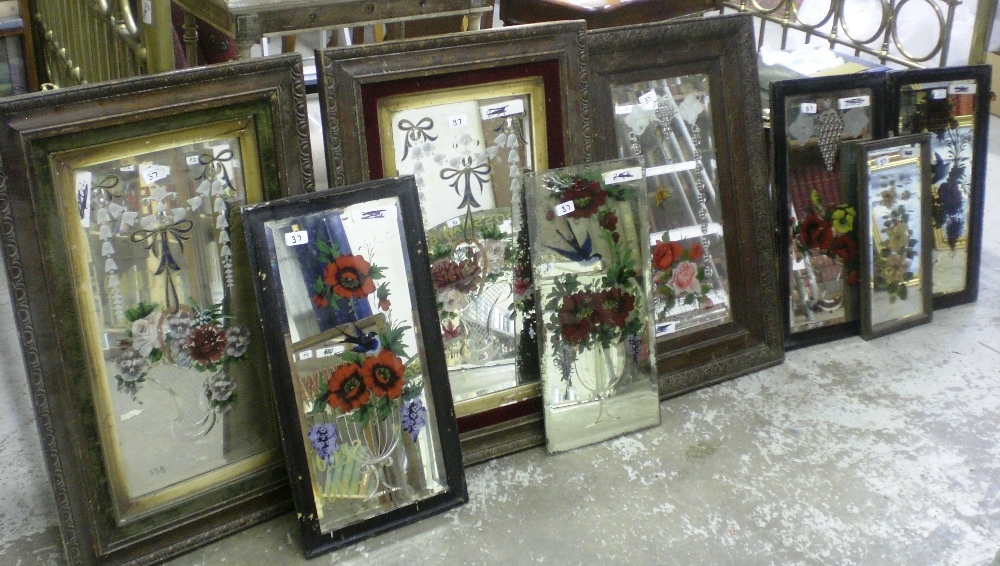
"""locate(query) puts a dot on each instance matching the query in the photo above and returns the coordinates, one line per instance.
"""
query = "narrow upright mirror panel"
(363, 397)
(951, 104)
(592, 279)
(895, 203)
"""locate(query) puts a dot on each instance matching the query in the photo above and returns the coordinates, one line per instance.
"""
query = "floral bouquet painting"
(591, 272)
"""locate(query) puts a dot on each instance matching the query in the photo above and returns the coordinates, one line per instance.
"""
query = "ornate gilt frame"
(352, 81)
(263, 99)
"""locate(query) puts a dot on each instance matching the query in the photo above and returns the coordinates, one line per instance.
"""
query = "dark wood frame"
(270, 302)
(722, 48)
(875, 81)
(980, 151)
(351, 79)
(49, 328)
(868, 330)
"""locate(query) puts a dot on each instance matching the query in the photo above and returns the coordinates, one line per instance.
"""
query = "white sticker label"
(305, 355)
(127, 168)
(453, 222)
(962, 88)
(502, 109)
(458, 121)
(192, 159)
(882, 161)
(296, 238)
(939, 93)
(565, 208)
(147, 12)
(83, 181)
(808, 108)
(648, 100)
(623, 175)
(670, 168)
(854, 102)
(329, 351)
(151, 173)
(623, 110)
(907, 152)
(669, 328)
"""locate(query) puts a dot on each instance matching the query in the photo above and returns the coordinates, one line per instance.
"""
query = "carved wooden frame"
(31, 126)
(722, 48)
(353, 153)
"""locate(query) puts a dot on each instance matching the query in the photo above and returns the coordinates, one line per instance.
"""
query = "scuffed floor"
(883, 452)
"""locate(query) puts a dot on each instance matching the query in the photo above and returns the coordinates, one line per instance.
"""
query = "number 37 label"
(296, 238)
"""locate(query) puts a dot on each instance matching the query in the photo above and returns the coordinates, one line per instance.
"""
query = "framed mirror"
(592, 279)
(671, 93)
(951, 104)
(896, 233)
(358, 365)
(127, 266)
(466, 114)
(811, 119)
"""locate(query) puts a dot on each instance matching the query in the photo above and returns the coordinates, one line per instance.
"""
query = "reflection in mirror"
(466, 148)
(181, 395)
(823, 239)
(896, 277)
(590, 257)
(947, 110)
(668, 122)
(352, 334)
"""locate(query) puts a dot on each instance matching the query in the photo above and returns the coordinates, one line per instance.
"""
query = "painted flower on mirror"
(206, 344)
(614, 306)
(346, 388)
(665, 254)
(324, 440)
(146, 334)
(220, 389)
(453, 300)
(844, 248)
(898, 236)
(816, 233)
(576, 317)
(348, 277)
(187, 336)
(842, 219)
(413, 418)
(685, 278)
(587, 197)
(384, 374)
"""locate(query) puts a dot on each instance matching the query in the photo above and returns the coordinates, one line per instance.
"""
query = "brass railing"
(884, 43)
(88, 41)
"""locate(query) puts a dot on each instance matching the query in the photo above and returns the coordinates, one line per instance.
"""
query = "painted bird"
(577, 252)
(363, 341)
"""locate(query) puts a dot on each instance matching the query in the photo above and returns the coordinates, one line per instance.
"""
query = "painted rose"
(815, 233)
(587, 197)
(453, 300)
(894, 269)
(695, 252)
(384, 374)
(146, 334)
(347, 388)
(495, 251)
(898, 237)
(206, 344)
(665, 254)
(220, 390)
(843, 247)
(685, 278)
(576, 317)
(614, 307)
(348, 277)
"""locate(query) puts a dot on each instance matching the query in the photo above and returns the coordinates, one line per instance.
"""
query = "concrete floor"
(883, 452)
